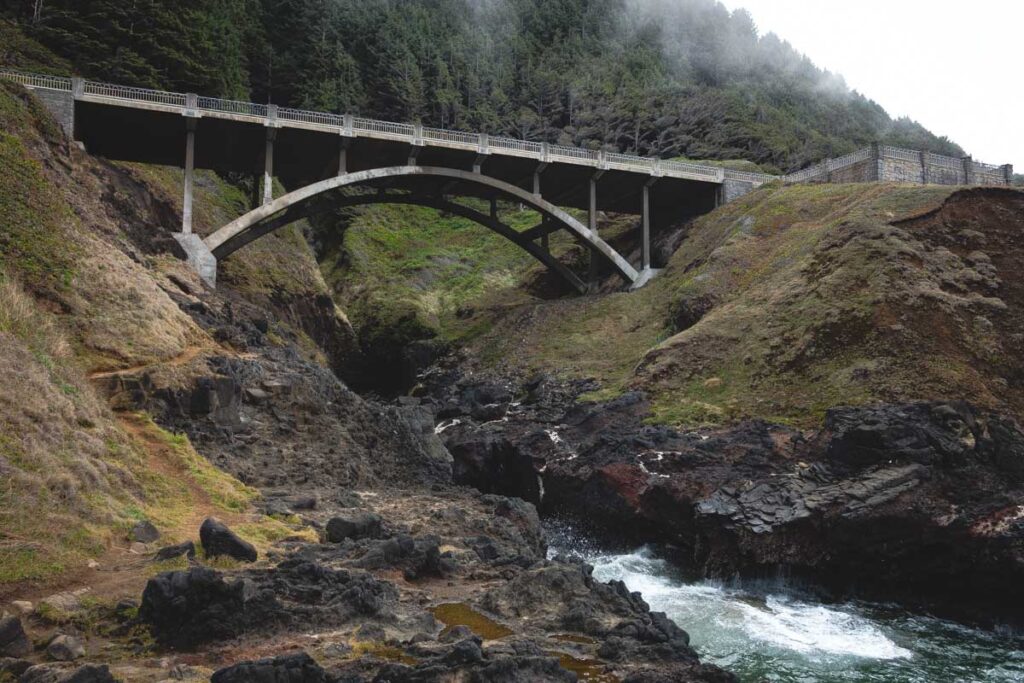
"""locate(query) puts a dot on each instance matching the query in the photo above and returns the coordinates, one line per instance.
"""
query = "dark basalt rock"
(912, 502)
(187, 549)
(294, 668)
(218, 539)
(51, 673)
(13, 640)
(12, 667)
(187, 608)
(144, 532)
(354, 524)
(417, 557)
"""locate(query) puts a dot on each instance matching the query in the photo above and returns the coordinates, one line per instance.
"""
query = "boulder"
(11, 668)
(185, 609)
(144, 532)
(188, 608)
(293, 668)
(188, 549)
(65, 648)
(57, 673)
(354, 524)
(417, 557)
(218, 540)
(22, 607)
(13, 640)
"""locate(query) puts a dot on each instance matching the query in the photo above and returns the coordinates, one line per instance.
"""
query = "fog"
(956, 68)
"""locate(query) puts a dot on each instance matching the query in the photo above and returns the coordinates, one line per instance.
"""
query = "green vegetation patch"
(34, 220)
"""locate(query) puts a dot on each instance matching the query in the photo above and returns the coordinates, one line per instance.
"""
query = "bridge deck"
(136, 124)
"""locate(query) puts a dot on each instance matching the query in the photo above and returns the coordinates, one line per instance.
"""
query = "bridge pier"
(190, 163)
(346, 142)
(645, 238)
(268, 167)
(594, 274)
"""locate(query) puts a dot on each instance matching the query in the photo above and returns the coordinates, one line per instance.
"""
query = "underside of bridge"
(302, 159)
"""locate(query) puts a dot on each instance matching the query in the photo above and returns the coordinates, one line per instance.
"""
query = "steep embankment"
(824, 384)
(137, 403)
(793, 300)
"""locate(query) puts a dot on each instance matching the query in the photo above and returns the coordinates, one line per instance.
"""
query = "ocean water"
(773, 635)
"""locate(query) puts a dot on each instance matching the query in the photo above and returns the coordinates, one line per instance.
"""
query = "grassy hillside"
(795, 299)
(84, 289)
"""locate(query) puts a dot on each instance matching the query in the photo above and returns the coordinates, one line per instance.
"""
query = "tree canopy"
(682, 78)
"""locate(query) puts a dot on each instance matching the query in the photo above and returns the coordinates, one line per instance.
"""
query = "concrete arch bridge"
(314, 154)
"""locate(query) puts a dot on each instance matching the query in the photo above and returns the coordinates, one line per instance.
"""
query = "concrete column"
(478, 163)
(969, 178)
(190, 162)
(494, 208)
(485, 144)
(536, 179)
(348, 126)
(77, 87)
(1008, 173)
(191, 104)
(414, 153)
(268, 167)
(343, 157)
(924, 168)
(417, 133)
(544, 237)
(594, 275)
(876, 154)
(645, 239)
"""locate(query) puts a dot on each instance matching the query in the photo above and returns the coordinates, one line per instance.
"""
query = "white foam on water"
(737, 622)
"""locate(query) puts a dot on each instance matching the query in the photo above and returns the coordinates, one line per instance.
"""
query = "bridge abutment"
(198, 256)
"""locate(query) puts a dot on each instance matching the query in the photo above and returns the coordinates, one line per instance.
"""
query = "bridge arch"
(300, 204)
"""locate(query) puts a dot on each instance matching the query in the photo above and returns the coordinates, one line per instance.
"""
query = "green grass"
(35, 242)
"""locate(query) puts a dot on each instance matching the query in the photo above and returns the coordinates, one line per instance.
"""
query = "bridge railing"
(469, 140)
(232, 107)
(385, 129)
(131, 94)
(400, 131)
(37, 80)
(314, 117)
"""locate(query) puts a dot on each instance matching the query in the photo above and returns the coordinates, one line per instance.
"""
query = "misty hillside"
(652, 77)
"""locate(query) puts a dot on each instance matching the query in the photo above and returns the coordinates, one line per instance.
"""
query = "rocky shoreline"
(915, 503)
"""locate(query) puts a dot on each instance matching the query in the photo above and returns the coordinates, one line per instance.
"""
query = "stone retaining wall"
(893, 164)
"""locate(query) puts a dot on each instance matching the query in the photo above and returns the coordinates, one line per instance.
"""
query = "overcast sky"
(957, 67)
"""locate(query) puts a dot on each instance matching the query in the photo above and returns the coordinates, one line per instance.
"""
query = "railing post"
(656, 168)
(190, 156)
(272, 115)
(348, 126)
(545, 152)
(417, 134)
(1008, 173)
(484, 144)
(191, 105)
(77, 87)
